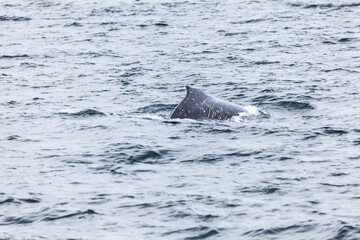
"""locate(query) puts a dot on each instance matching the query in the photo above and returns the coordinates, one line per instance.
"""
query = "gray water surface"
(87, 150)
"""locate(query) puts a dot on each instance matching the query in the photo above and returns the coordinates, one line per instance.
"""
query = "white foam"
(250, 111)
(68, 111)
(150, 116)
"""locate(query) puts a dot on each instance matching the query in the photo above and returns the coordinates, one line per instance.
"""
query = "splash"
(250, 111)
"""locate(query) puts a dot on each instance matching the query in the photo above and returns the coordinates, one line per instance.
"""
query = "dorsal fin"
(194, 92)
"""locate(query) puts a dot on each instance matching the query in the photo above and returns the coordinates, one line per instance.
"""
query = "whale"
(198, 105)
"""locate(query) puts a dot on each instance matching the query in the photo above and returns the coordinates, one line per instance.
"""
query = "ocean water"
(87, 149)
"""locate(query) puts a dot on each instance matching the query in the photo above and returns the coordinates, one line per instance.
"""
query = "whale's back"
(198, 105)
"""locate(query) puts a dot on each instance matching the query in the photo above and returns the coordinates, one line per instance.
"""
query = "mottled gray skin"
(198, 105)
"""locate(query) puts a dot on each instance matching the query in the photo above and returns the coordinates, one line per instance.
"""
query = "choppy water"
(87, 150)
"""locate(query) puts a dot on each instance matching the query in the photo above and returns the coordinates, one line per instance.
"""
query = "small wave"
(5, 18)
(332, 131)
(8, 200)
(81, 113)
(277, 230)
(129, 73)
(250, 21)
(318, 6)
(145, 157)
(232, 34)
(211, 158)
(204, 235)
(20, 200)
(74, 24)
(14, 56)
(205, 232)
(155, 108)
(152, 117)
(325, 6)
(265, 98)
(265, 62)
(267, 190)
(30, 200)
(250, 111)
(13, 138)
(295, 105)
(329, 42)
(345, 40)
(347, 232)
(87, 212)
(161, 24)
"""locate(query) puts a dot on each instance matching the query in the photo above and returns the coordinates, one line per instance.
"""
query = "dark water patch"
(250, 21)
(156, 108)
(13, 138)
(312, 135)
(133, 72)
(140, 205)
(311, 6)
(264, 62)
(203, 232)
(108, 23)
(181, 215)
(266, 190)
(325, 5)
(73, 161)
(329, 42)
(204, 235)
(149, 157)
(8, 200)
(209, 158)
(356, 142)
(265, 98)
(339, 70)
(347, 232)
(332, 131)
(218, 130)
(17, 220)
(30, 65)
(161, 24)
(337, 174)
(242, 154)
(14, 56)
(94, 127)
(143, 25)
(143, 171)
(279, 230)
(113, 10)
(340, 185)
(30, 200)
(11, 5)
(270, 190)
(232, 34)
(77, 214)
(130, 63)
(207, 217)
(345, 40)
(117, 171)
(5, 18)
(73, 24)
(295, 105)
(83, 113)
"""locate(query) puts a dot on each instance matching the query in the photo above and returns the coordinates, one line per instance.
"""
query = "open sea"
(88, 151)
